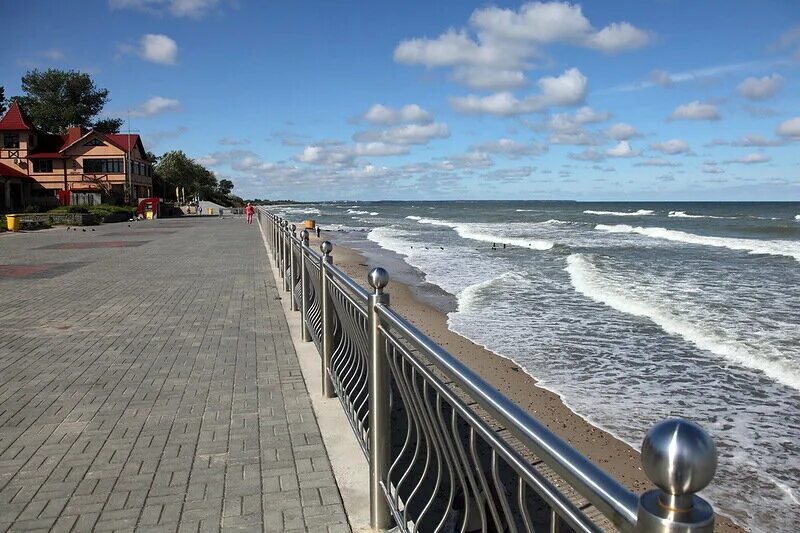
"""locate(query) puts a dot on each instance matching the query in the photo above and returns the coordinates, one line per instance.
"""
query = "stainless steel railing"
(449, 452)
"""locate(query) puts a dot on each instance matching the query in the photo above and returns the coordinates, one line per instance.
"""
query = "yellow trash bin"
(310, 223)
(14, 222)
(149, 215)
(210, 210)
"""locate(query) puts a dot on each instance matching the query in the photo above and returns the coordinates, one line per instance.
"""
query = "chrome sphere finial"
(679, 457)
(293, 227)
(304, 234)
(284, 223)
(326, 247)
(378, 278)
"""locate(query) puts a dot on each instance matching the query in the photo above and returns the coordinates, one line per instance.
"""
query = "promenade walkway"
(148, 381)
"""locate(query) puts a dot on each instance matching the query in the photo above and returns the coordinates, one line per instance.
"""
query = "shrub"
(32, 208)
(69, 209)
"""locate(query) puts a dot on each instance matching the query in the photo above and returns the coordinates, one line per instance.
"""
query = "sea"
(630, 312)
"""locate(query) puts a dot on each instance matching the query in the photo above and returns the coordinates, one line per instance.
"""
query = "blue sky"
(612, 100)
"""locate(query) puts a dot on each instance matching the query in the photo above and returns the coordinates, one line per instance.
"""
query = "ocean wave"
(413, 217)
(487, 233)
(556, 222)
(797, 217)
(589, 281)
(524, 210)
(684, 214)
(469, 297)
(374, 213)
(356, 212)
(639, 213)
(752, 246)
(302, 210)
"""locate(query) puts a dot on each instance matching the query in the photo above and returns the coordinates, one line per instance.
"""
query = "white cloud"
(711, 168)
(488, 79)
(622, 132)
(657, 162)
(337, 155)
(510, 148)
(379, 149)
(320, 155)
(178, 8)
(578, 138)
(623, 149)
(158, 48)
(506, 40)
(695, 111)
(156, 106)
(53, 54)
(229, 141)
(761, 88)
(619, 36)
(749, 140)
(672, 147)
(411, 113)
(750, 159)
(415, 133)
(470, 160)
(567, 89)
(590, 154)
(660, 77)
(790, 128)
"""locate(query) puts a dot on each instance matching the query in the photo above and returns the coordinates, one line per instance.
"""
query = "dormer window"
(11, 140)
(43, 165)
(95, 142)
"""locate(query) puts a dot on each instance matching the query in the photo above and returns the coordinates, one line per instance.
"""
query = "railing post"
(680, 458)
(281, 234)
(327, 319)
(292, 269)
(305, 334)
(379, 410)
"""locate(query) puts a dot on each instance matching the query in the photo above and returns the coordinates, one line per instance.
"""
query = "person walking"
(248, 211)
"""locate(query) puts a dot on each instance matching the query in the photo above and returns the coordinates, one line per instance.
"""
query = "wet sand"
(614, 456)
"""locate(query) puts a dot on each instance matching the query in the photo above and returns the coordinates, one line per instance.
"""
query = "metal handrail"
(677, 455)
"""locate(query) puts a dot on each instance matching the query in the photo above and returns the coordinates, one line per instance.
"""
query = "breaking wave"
(587, 279)
(639, 213)
(752, 246)
(684, 214)
(488, 233)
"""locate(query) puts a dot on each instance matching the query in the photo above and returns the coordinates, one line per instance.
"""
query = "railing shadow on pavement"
(449, 452)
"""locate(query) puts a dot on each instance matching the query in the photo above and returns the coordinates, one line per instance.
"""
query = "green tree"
(57, 99)
(108, 125)
(2, 99)
(179, 170)
(225, 186)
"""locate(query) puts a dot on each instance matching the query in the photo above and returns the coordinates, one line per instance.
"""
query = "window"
(11, 140)
(43, 165)
(95, 142)
(102, 166)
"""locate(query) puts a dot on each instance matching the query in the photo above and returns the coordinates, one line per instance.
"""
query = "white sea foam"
(797, 217)
(684, 214)
(524, 210)
(356, 212)
(753, 246)
(488, 233)
(639, 213)
(303, 210)
(413, 217)
(587, 279)
(469, 296)
(374, 213)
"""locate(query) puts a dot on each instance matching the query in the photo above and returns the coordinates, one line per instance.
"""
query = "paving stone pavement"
(154, 386)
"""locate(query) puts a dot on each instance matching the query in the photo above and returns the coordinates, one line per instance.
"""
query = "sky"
(320, 100)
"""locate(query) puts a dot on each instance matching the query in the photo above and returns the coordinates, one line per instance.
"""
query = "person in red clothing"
(248, 211)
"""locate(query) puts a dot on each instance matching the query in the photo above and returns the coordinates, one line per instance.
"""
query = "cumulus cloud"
(672, 147)
(750, 159)
(695, 111)
(407, 134)
(506, 40)
(790, 128)
(748, 140)
(622, 132)
(619, 36)
(761, 88)
(577, 138)
(469, 160)
(488, 79)
(660, 77)
(158, 48)
(510, 148)
(590, 154)
(229, 141)
(657, 162)
(565, 90)
(711, 168)
(623, 149)
(383, 115)
(178, 8)
(342, 155)
(156, 106)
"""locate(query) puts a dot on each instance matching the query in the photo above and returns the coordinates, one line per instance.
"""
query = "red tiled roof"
(125, 141)
(8, 172)
(15, 119)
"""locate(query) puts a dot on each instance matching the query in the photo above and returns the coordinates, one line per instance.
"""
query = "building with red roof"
(80, 167)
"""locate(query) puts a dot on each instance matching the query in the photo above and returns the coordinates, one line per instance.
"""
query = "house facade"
(78, 168)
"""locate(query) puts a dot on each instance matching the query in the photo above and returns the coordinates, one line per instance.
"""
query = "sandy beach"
(614, 456)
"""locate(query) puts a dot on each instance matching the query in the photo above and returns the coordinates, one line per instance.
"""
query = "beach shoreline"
(613, 455)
